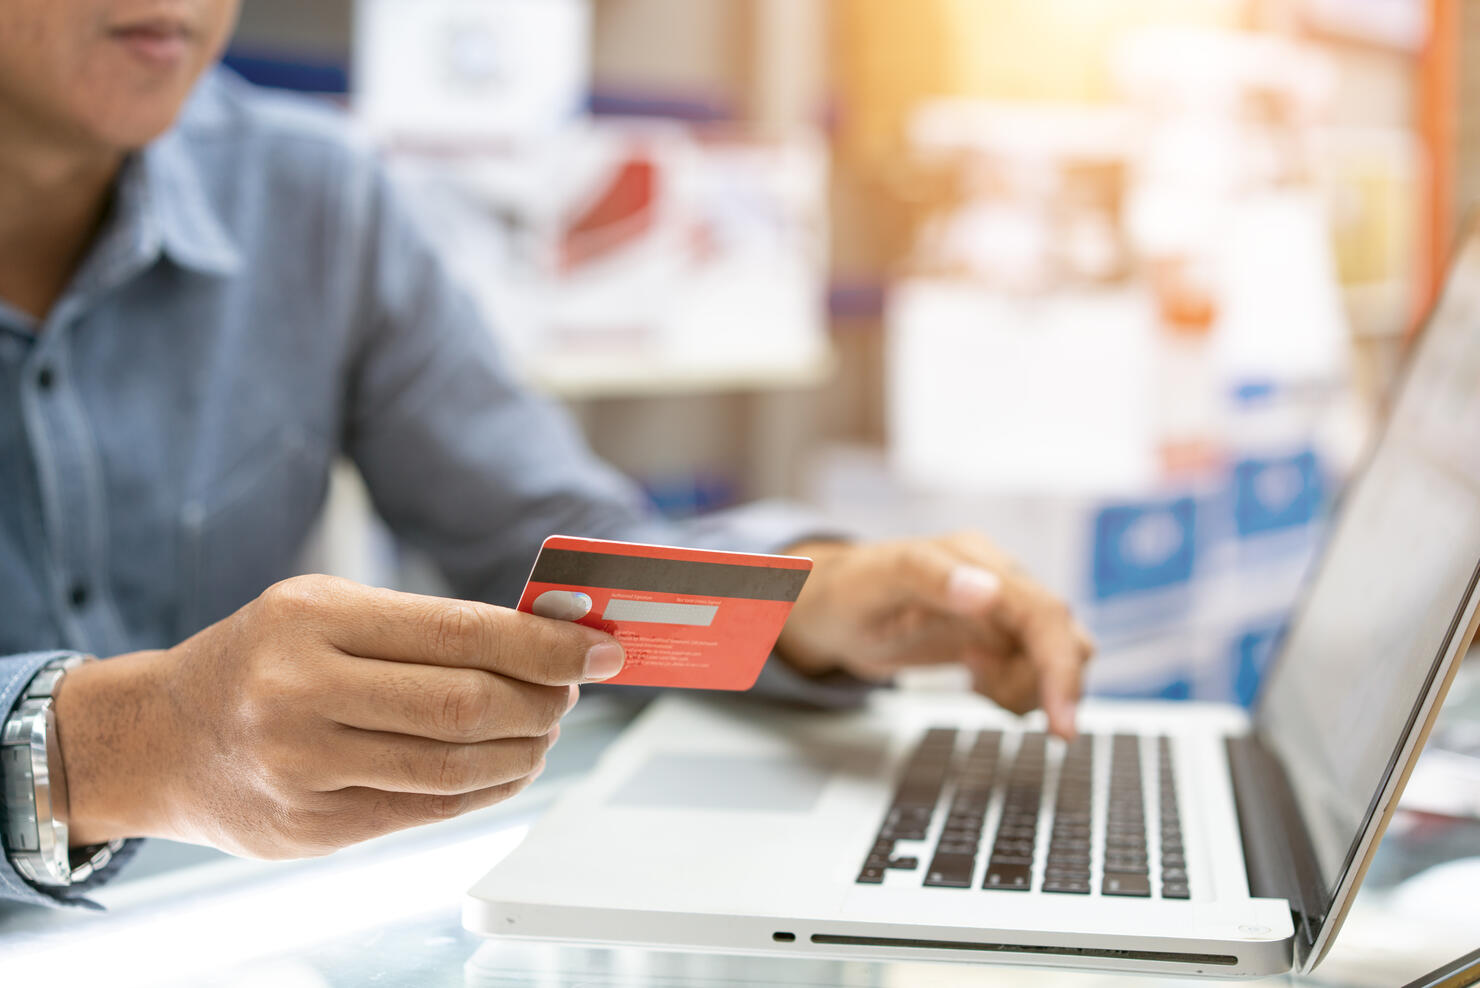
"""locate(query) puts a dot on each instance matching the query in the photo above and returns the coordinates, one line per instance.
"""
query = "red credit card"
(692, 618)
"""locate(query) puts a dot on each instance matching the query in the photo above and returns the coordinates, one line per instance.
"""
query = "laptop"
(1170, 837)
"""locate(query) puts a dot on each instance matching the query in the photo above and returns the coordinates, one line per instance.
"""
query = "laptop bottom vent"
(1098, 953)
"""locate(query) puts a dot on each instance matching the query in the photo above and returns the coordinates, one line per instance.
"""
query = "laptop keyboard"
(1068, 868)
(1011, 864)
(1173, 860)
(908, 817)
(955, 854)
(1125, 822)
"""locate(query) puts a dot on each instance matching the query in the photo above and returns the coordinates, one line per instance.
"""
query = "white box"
(470, 71)
(992, 391)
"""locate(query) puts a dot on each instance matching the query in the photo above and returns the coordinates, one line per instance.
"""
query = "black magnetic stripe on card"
(679, 576)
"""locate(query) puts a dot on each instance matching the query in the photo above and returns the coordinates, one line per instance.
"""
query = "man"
(206, 294)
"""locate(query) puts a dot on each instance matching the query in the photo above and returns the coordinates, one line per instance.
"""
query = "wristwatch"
(34, 794)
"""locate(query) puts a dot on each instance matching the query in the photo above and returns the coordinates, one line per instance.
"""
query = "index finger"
(402, 627)
(1040, 623)
(1049, 636)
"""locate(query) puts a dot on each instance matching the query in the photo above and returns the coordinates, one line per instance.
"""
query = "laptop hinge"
(1278, 852)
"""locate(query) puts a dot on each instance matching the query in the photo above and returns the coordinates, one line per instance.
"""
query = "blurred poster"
(639, 256)
(702, 255)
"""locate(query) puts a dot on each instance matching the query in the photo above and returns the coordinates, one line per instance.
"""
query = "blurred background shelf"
(574, 380)
(1124, 285)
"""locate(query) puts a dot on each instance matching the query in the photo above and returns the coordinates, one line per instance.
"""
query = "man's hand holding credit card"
(690, 618)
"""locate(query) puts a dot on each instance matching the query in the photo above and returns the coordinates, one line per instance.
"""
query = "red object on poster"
(623, 213)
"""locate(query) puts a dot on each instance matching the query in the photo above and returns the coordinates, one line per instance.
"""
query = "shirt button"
(78, 596)
(45, 378)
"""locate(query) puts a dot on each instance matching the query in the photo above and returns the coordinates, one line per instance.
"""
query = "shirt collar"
(160, 208)
(190, 231)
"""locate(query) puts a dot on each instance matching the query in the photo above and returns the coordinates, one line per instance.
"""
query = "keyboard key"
(955, 848)
(1005, 876)
(1175, 890)
(1119, 883)
(948, 880)
(1022, 861)
(1066, 864)
(1073, 887)
(950, 871)
(871, 876)
(1125, 868)
(1066, 875)
(904, 864)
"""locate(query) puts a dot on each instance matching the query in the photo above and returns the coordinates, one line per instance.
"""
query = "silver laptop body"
(1175, 838)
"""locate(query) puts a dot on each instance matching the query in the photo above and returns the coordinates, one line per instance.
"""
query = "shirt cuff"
(776, 526)
(771, 526)
(16, 673)
(836, 690)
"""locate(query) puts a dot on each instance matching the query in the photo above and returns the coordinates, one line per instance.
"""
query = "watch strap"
(35, 789)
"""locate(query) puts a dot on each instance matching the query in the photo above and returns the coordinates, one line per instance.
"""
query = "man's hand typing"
(875, 608)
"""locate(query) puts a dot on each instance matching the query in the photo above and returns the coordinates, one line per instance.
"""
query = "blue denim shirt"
(257, 303)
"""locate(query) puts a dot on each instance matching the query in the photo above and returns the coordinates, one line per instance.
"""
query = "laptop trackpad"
(723, 782)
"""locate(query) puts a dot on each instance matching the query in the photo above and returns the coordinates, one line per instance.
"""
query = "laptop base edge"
(819, 939)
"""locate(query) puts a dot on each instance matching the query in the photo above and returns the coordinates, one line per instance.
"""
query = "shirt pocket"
(247, 528)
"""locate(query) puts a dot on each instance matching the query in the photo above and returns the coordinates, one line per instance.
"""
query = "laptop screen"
(1395, 575)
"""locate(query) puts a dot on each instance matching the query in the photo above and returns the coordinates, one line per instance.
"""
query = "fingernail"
(604, 660)
(1063, 715)
(575, 694)
(971, 587)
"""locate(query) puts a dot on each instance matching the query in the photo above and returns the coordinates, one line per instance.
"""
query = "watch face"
(20, 799)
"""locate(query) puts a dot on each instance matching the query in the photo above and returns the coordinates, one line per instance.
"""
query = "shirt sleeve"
(475, 469)
(16, 671)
